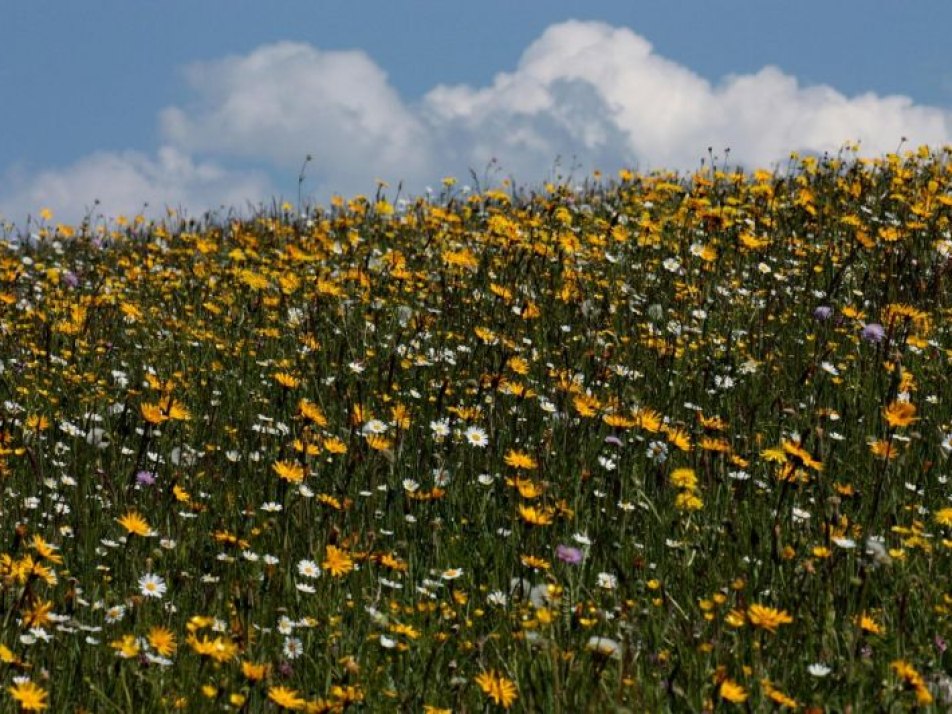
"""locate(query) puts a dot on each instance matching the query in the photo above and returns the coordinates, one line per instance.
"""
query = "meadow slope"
(650, 443)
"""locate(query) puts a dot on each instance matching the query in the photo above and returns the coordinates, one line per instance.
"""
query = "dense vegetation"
(660, 442)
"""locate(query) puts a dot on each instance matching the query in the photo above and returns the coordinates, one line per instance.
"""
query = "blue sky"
(196, 103)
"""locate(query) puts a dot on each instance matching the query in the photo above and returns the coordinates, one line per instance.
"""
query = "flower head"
(151, 585)
(768, 618)
(568, 554)
(873, 332)
(29, 696)
(501, 690)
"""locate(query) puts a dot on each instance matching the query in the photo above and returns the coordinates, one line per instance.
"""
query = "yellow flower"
(535, 516)
(943, 516)
(688, 501)
(312, 412)
(135, 524)
(335, 445)
(289, 471)
(220, 649)
(286, 698)
(178, 411)
(679, 438)
(501, 690)
(289, 381)
(254, 671)
(778, 696)
(867, 624)
(337, 562)
(527, 488)
(899, 414)
(735, 618)
(45, 550)
(162, 641)
(153, 413)
(28, 696)
(767, 617)
(649, 420)
(732, 692)
(520, 460)
(127, 646)
(533, 561)
(684, 478)
(883, 449)
(253, 280)
(378, 443)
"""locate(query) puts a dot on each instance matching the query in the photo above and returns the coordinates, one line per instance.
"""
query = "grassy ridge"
(657, 443)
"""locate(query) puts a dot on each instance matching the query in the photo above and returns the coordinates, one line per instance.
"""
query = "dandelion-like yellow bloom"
(535, 516)
(684, 478)
(867, 624)
(900, 414)
(254, 671)
(135, 524)
(533, 561)
(501, 690)
(312, 412)
(688, 501)
(335, 445)
(29, 696)
(162, 640)
(127, 646)
(286, 380)
(153, 413)
(943, 517)
(777, 696)
(768, 618)
(286, 698)
(337, 562)
(883, 449)
(520, 460)
(732, 692)
(289, 471)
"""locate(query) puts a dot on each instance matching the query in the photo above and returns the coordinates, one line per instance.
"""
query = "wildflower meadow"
(634, 443)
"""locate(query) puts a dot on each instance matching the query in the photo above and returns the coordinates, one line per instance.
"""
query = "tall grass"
(656, 443)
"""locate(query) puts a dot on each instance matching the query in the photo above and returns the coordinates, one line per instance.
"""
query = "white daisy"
(476, 437)
(441, 428)
(293, 648)
(151, 585)
(308, 568)
(374, 427)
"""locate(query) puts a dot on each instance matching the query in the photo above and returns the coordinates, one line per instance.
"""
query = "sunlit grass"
(659, 442)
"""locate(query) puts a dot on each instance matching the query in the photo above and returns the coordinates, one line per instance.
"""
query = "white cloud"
(130, 182)
(584, 92)
(284, 101)
(602, 93)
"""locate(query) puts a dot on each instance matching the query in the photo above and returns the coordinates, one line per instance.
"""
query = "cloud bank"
(585, 93)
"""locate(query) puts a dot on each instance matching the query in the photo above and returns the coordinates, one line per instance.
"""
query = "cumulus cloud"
(601, 93)
(586, 93)
(285, 101)
(129, 183)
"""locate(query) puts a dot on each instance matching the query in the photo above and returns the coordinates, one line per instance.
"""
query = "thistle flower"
(873, 332)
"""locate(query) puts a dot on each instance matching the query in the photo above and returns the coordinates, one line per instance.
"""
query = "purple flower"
(873, 332)
(568, 554)
(145, 478)
(613, 440)
(823, 312)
